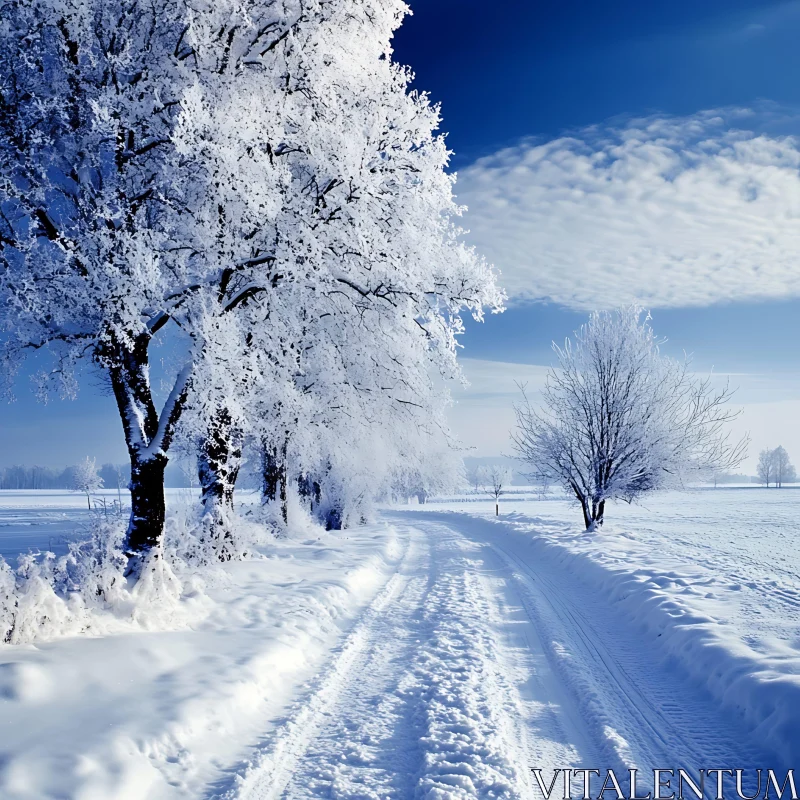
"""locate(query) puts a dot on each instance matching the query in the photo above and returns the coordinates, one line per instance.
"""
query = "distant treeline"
(24, 477)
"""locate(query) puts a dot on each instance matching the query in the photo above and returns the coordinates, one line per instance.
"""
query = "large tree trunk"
(273, 477)
(148, 436)
(587, 514)
(600, 515)
(148, 508)
(218, 463)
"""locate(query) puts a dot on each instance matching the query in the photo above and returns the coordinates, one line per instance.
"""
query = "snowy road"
(472, 666)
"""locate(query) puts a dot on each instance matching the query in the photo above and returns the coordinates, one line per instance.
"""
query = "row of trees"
(254, 184)
(774, 467)
(620, 419)
(22, 477)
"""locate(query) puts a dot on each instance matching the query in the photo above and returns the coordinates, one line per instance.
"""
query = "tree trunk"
(496, 508)
(147, 509)
(334, 520)
(148, 436)
(218, 463)
(310, 489)
(587, 516)
(273, 477)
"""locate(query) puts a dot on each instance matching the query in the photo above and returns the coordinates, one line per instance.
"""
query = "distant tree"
(620, 419)
(476, 475)
(86, 479)
(115, 475)
(498, 478)
(782, 469)
(765, 466)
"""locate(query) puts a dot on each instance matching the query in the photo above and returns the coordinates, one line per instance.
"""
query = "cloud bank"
(667, 212)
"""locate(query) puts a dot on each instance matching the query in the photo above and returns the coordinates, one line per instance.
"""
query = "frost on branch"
(619, 418)
(256, 181)
(85, 478)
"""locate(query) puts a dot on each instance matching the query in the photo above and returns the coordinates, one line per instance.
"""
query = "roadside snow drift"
(159, 714)
(731, 627)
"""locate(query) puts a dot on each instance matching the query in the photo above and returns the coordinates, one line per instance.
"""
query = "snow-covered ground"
(47, 519)
(438, 653)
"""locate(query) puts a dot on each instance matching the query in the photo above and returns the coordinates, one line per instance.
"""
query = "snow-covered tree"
(784, 469)
(476, 477)
(497, 480)
(374, 275)
(620, 419)
(775, 467)
(90, 265)
(86, 479)
(170, 166)
(765, 466)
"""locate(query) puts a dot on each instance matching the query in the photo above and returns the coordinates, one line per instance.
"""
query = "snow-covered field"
(39, 519)
(439, 652)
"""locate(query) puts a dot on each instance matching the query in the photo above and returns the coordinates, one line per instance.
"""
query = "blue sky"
(609, 152)
(513, 77)
(510, 69)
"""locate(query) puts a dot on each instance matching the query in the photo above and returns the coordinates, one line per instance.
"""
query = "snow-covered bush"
(48, 596)
(620, 419)
(86, 592)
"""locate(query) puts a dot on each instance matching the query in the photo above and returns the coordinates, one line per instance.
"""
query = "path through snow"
(471, 667)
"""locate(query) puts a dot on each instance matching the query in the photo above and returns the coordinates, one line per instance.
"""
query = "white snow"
(707, 581)
(161, 714)
(438, 653)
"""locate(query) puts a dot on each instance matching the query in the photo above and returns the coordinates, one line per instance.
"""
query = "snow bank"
(161, 713)
(686, 615)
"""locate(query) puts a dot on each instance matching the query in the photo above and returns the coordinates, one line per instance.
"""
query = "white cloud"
(668, 212)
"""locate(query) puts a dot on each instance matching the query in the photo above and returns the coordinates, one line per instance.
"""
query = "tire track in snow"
(640, 712)
(367, 746)
(472, 745)
(422, 701)
(652, 716)
(434, 710)
(493, 705)
(269, 772)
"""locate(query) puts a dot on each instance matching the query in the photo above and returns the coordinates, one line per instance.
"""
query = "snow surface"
(435, 654)
(47, 519)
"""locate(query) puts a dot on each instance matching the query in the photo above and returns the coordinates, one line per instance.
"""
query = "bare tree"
(620, 419)
(497, 479)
